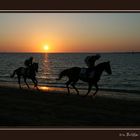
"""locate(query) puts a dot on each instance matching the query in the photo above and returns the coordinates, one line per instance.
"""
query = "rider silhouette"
(90, 62)
(28, 63)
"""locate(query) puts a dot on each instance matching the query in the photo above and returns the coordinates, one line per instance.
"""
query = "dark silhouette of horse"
(74, 75)
(29, 73)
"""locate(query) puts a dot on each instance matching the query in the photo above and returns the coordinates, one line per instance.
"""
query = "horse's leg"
(67, 85)
(89, 88)
(26, 82)
(35, 83)
(19, 81)
(96, 89)
(73, 85)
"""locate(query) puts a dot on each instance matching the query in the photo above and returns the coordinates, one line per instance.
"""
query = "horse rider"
(90, 62)
(28, 63)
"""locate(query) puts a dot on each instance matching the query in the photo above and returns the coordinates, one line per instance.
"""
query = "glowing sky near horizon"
(69, 32)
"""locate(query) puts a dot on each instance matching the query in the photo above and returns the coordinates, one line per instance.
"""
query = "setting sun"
(46, 47)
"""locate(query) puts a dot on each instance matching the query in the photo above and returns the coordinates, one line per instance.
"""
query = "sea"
(125, 69)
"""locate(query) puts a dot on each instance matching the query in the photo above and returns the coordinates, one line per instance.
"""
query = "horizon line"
(80, 52)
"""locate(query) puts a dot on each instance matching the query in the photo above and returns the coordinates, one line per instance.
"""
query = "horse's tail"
(12, 75)
(62, 74)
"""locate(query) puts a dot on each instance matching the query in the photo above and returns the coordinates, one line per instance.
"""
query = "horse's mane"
(100, 64)
(35, 63)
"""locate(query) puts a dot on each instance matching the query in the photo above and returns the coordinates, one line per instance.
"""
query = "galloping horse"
(74, 75)
(29, 73)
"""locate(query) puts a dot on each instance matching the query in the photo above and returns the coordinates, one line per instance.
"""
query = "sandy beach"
(52, 107)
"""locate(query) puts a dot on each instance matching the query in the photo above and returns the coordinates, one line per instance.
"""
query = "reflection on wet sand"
(44, 88)
(53, 89)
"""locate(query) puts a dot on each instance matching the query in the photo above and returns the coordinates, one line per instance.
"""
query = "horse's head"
(108, 67)
(35, 66)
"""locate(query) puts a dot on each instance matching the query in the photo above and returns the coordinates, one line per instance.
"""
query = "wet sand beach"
(53, 107)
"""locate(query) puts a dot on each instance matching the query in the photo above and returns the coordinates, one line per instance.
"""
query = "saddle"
(25, 71)
(86, 73)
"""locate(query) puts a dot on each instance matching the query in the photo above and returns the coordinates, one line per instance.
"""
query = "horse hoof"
(37, 88)
(94, 95)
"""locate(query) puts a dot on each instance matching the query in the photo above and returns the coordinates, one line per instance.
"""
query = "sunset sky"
(69, 32)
